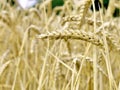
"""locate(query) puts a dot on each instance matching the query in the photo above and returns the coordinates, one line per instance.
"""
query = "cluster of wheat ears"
(69, 47)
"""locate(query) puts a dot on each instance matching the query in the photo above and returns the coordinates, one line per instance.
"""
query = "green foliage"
(57, 3)
(106, 2)
(116, 13)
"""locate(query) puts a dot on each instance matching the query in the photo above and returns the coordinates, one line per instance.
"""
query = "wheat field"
(69, 47)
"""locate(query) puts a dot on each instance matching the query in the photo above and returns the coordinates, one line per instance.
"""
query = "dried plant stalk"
(4, 16)
(111, 8)
(73, 34)
(79, 57)
(84, 5)
(114, 41)
(91, 21)
(58, 75)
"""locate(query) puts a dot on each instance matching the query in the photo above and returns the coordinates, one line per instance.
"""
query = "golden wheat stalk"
(90, 21)
(113, 41)
(73, 34)
(58, 74)
(4, 16)
(110, 34)
(79, 57)
(82, 12)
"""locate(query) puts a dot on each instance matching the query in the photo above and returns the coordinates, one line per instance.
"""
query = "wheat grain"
(73, 34)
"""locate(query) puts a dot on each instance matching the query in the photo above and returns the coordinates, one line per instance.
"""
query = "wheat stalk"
(4, 16)
(114, 41)
(73, 34)
(58, 75)
(79, 57)
(82, 9)
(91, 21)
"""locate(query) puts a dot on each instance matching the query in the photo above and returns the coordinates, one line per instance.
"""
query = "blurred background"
(27, 63)
(30, 3)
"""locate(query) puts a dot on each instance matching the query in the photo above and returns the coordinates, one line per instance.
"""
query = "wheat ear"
(82, 12)
(79, 57)
(73, 34)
